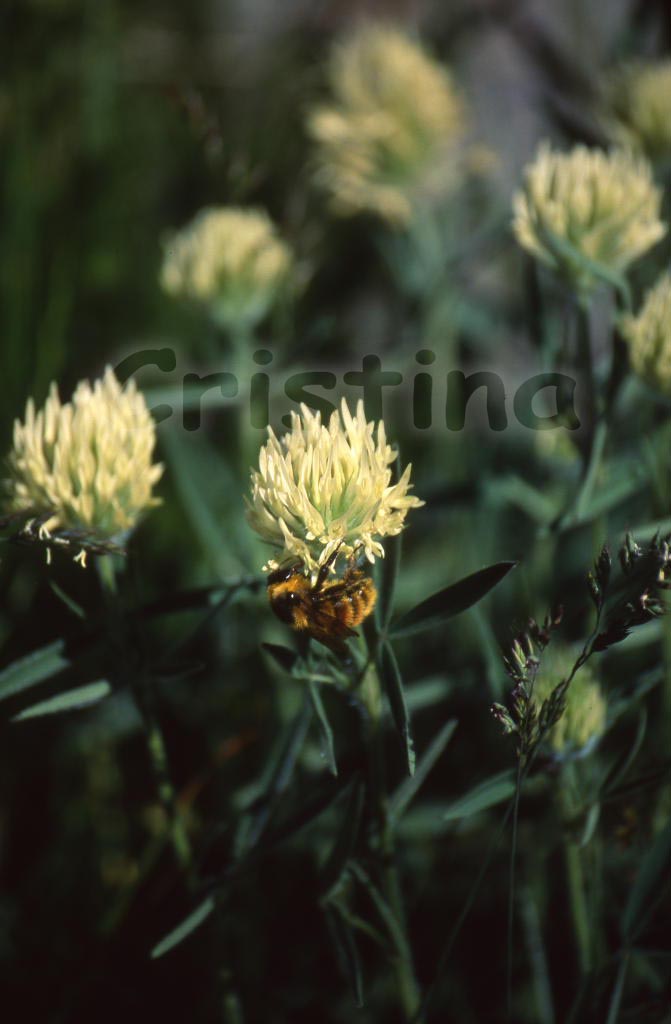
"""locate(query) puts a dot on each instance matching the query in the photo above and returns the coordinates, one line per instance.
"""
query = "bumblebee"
(326, 610)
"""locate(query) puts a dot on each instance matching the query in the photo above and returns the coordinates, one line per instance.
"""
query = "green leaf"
(347, 951)
(183, 930)
(388, 574)
(33, 669)
(492, 791)
(282, 656)
(69, 700)
(591, 822)
(623, 763)
(449, 602)
(277, 776)
(393, 684)
(649, 882)
(343, 848)
(324, 726)
(426, 692)
(409, 788)
(205, 484)
(68, 601)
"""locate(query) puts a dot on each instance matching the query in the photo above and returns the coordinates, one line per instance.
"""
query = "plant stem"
(574, 873)
(408, 989)
(143, 694)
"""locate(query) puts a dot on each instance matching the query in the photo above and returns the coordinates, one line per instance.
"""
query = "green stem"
(408, 989)
(511, 882)
(142, 689)
(616, 998)
(575, 876)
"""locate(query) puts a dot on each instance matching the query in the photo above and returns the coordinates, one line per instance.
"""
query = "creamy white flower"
(231, 259)
(648, 336)
(584, 719)
(320, 488)
(638, 107)
(85, 465)
(394, 129)
(587, 205)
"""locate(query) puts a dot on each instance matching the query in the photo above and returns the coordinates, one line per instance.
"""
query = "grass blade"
(184, 929)
(324, 726)
(494, 790)
(69, 700)
(393, 684)
(33, 669)
(409, 788)
(450, 601)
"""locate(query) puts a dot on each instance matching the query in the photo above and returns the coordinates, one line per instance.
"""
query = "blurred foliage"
(118, 122)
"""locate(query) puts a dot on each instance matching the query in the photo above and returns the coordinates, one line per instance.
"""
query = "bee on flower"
(586, 213)
(323, 493)
(81, 473)
(231, 260)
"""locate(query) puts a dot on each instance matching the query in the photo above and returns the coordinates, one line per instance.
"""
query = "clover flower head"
(583, 721)
(84, 467)
(587, 213)
(393, 131)
(638, 107)
(322, 488)
(648, 336)
(230, 259)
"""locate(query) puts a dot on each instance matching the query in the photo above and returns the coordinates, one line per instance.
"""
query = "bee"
(326, 610)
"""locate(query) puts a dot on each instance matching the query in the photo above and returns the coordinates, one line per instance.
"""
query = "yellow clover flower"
(638, 98)
(230, 259)
(648, 336)
(320, 488)
(584, 719)
(84, 466)
(394, 127)
(586, 213)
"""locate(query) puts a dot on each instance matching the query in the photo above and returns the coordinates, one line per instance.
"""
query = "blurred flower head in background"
(86, 465)
(648, 336)
(322, 488)
(583, 721)
(587, 212)
(394, 130)
(230, 259)
(638, 107)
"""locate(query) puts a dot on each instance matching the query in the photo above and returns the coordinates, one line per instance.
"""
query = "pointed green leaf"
(324, 726)
(282, 656)
(492, 791)
(343, 848)
(409, 788)
(623, 763)
(393, 684)
(68, 601)
(388, 574)
(347, 951)
(183, 930)
(651, 878)
(447, 603)
(69, 700)
(33, 669)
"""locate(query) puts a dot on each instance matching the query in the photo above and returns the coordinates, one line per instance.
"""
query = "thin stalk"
(243, 342)
(575, 876)
(511, 884)
(616, 998)
(408, 989)
(142, 690)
